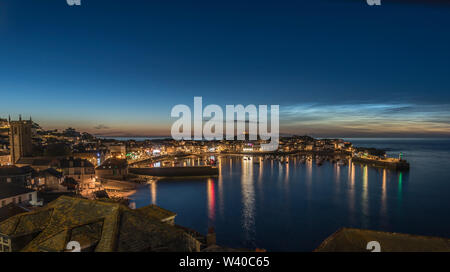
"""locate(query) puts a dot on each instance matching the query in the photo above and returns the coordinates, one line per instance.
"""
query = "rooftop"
(8, 190)
(76, 162)
(12, 170)
(35, 161)
(157, 212)
(349, 239)
(97, 226)
(10, 210)
(50, 172)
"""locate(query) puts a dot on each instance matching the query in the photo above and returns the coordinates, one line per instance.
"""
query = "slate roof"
(77, 162)
(8, 190)
(156, 212)
(349, 239)
(10, 210)
(51, 172)
(100, 226)
(12, 170)
(35, 161)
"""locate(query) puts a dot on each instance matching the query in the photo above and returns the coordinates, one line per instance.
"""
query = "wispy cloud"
(367, 119)
(101, 127)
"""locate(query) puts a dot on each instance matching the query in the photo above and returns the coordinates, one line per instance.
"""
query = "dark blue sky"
(335, 67)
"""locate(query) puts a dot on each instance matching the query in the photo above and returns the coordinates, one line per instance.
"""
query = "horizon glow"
(336, 68)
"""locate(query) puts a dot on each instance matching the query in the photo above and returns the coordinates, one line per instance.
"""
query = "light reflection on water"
(211, 201)
(153, 190)
(248, 198)
(294, 206)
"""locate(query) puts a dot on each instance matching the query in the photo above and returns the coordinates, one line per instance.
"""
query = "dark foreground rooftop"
(348, 240)
(97, 226)
(10, 210)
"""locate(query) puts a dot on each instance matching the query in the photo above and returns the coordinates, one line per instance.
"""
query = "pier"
(389, 163)
(187, 171)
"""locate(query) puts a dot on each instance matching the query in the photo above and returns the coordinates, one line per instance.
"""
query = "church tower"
(20, 139)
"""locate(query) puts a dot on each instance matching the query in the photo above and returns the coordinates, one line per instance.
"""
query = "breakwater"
(188, 171)
(390, 164)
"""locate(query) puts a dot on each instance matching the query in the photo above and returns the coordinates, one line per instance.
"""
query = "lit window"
(5, 244)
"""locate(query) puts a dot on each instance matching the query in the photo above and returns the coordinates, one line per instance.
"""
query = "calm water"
(294, 206)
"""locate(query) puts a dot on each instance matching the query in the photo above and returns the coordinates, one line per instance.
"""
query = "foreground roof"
(157, 212)
(10, 210)
(349, 239)
(97, 226)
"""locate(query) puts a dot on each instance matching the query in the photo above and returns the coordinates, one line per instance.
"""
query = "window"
(14, 200)
(3, 203)
(30, 197)
(5, 244)
(20, 199)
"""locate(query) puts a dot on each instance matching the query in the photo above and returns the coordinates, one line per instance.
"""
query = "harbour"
(247, 200)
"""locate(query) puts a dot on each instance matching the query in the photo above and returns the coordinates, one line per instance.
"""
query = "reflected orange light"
(211, 199)
(153, 192)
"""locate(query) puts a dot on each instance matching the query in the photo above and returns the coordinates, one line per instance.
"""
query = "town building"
(5, 158)
(12, 193)
(20, 139)
(49, 180)
(117, 150)
(37, 163)
(112, 168)
(79, 169)
(16, 175)
(4, 123)
(93, 156)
